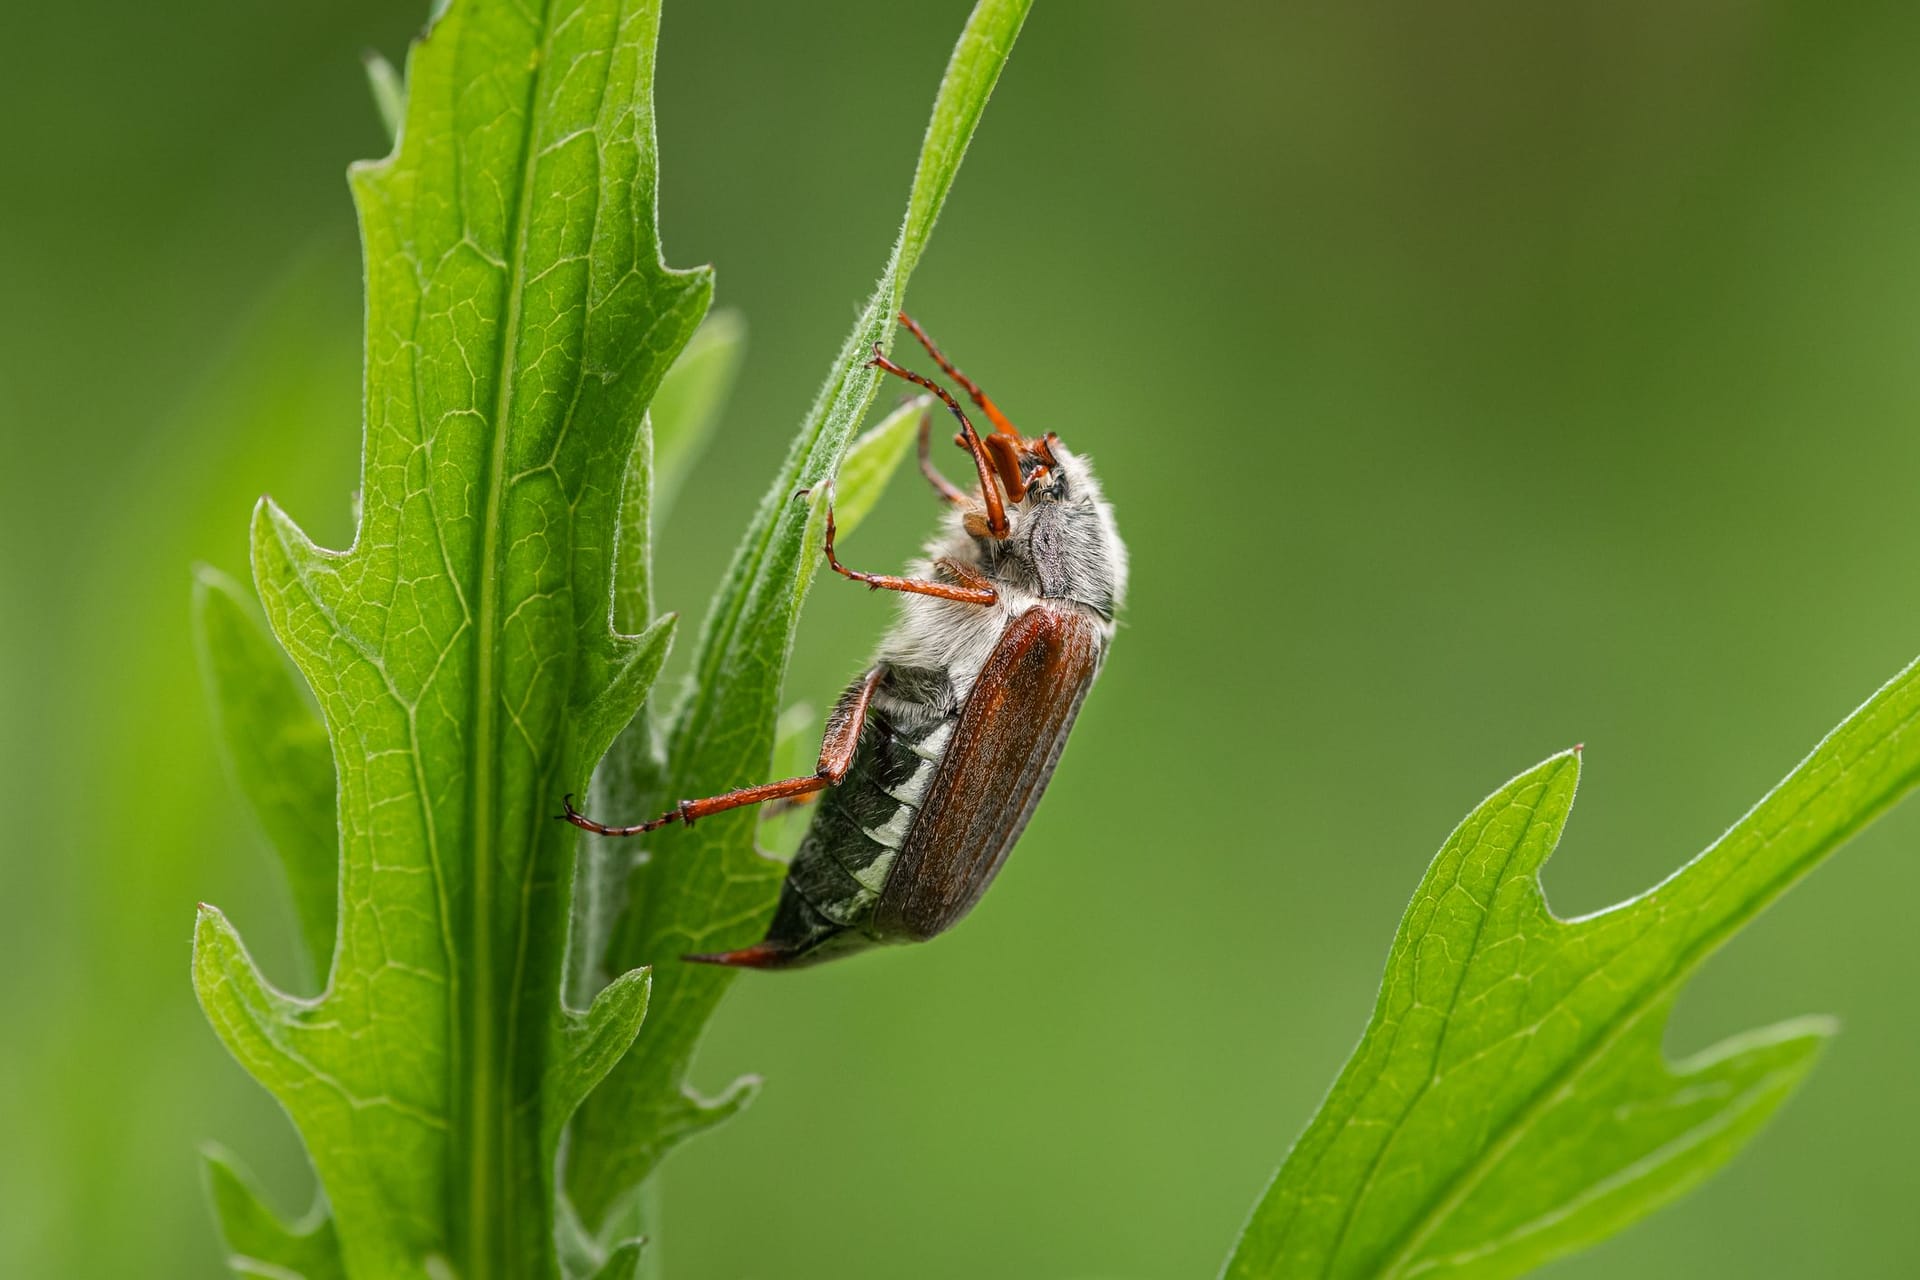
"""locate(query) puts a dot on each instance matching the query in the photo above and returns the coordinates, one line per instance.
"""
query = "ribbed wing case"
(997, 764)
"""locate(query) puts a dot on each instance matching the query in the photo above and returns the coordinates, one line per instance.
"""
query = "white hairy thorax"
(1085, 568)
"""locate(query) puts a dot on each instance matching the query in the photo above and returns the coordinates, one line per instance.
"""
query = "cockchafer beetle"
(933, 760)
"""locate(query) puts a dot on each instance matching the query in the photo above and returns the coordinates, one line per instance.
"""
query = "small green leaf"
(259, 1242)
(700, 888)
(871, 461)
(592, 1042)
(276, 745)
(689, 401)
(1509, 1102)
(796, 739)
(633, 541)
(633, 666)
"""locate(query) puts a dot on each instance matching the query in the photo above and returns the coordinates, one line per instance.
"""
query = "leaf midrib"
(486, 1101)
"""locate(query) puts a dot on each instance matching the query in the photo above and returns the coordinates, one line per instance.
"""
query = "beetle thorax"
(1063, 544)
(1062, 550)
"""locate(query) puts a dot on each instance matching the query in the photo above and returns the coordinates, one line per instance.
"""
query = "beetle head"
(1028, 469)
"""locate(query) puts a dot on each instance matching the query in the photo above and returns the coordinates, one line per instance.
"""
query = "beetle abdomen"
(848, 854)
(938, 792)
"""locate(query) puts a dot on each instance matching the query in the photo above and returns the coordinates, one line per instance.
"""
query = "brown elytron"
(998, 762)
(933, 761)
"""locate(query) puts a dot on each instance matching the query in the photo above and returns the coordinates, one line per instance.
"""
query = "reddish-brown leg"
(837, 746)
(974, 589)
(997, 525)
(971, 387)
(1005, 452)
(941, 485)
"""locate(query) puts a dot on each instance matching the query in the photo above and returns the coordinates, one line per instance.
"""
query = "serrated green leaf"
(518, 321)
(259, 1242)
(689, 401)
(707, 886)
(634, 665)
(592, 1043)
(1509, 1102)
(276, 745)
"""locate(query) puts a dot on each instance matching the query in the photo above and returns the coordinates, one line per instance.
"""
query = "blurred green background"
(1471, 380)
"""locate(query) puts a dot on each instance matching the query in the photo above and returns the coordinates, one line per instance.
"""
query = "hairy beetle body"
(949, 764)
(934, 760)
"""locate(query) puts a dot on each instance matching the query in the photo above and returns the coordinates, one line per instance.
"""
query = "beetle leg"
(971, 387)
(1006, 460)
(837, 748)
(996, 523)
(941, 485)
(974, 589)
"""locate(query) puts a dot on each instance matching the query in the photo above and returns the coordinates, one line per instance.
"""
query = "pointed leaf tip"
(729, 1102)
(1788, 1040)
(285, 558)
(259, 1240)
(615, 1016)
(594, 1042)
(636, 663)
(251, 1016)
(1510, 834)
(270, 518)
(623, 1263)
